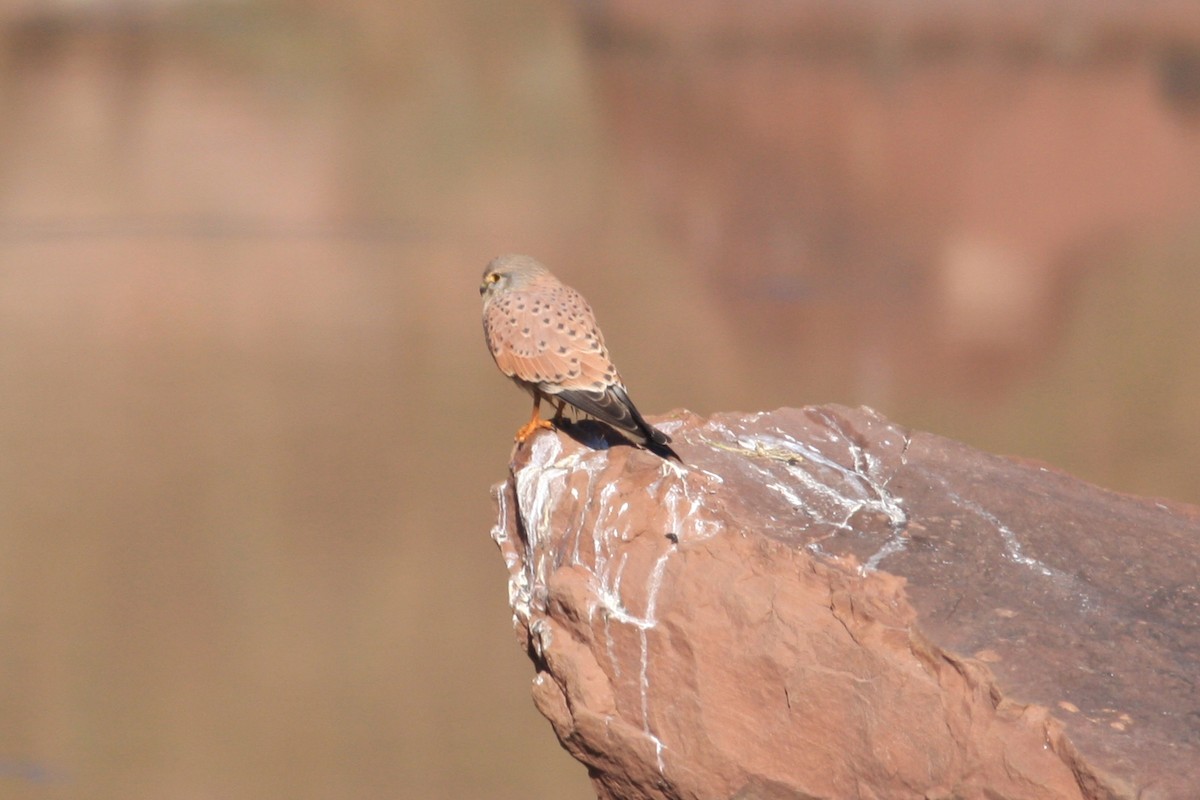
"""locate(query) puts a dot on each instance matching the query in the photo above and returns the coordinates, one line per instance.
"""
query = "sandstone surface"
(822, 604)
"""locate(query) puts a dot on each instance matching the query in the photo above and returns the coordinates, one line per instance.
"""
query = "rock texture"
(822, 604)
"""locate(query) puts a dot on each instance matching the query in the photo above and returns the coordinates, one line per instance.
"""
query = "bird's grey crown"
(514, 268)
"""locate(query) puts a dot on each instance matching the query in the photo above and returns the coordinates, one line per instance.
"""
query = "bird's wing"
(534, 349)
(612, 405)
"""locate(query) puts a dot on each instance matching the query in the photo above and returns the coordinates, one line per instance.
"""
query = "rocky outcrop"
(822, 604)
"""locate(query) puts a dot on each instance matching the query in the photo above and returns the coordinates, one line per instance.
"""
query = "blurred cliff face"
(952, 213)
(249, 421)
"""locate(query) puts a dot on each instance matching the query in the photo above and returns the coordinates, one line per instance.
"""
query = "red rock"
(822, 604)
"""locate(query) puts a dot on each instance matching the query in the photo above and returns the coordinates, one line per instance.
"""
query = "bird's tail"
(655, 440)
(613, 406)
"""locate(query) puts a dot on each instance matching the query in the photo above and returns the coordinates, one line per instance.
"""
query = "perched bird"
(543, 335)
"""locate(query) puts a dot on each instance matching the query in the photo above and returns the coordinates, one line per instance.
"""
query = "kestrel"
(543, 335)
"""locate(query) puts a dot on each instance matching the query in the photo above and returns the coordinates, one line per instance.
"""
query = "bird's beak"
(482, 288)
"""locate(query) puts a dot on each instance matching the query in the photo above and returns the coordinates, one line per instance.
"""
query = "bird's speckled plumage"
(543, 335)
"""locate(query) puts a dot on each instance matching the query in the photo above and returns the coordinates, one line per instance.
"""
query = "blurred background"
(248, 425)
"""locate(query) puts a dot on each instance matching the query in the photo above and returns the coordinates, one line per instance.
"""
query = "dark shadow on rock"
(597, 435)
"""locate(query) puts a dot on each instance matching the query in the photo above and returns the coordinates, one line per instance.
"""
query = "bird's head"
(509, 272)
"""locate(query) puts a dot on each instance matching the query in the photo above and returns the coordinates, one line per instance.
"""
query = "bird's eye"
(493, 277)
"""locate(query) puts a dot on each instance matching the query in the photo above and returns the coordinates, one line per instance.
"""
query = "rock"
(822, 604)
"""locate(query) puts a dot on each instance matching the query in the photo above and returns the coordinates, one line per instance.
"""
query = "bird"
(543, 335)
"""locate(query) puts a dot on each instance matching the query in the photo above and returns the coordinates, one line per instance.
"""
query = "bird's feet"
(530, 427)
